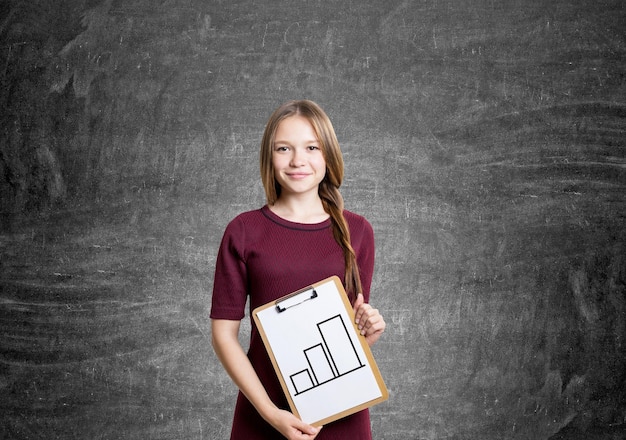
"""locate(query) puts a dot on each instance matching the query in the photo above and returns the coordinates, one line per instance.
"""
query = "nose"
(297, 158)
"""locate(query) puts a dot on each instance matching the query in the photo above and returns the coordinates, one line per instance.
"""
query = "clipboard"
(324, 365)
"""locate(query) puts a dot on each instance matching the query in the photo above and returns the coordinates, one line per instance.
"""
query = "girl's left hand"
(369, 320)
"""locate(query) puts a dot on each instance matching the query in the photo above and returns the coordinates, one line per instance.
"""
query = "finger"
(360, 299)
(358, 303)
(305, 428)
(367, 315)
(317, 431)
(307, 431)
(373, 338)
(375, 323)
(373, 333)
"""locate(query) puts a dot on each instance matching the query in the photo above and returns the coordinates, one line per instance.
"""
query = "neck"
(300, 209)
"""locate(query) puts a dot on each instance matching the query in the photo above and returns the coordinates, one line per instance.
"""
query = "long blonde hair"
(332, 200)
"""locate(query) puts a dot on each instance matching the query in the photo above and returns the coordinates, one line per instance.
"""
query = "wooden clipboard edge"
(270, 352)
(368, 353)
(366, 349)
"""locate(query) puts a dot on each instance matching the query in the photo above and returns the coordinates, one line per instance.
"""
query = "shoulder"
(246, 218)
(352, 217)
(243, 225)
(357, 223)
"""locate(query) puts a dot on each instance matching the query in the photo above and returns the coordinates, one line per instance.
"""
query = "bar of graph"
(339, 345)
(332, 358)
(320, 366)
(302, 381)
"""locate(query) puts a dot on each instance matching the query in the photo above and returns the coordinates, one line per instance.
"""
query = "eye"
(313, 147)
(281, 148)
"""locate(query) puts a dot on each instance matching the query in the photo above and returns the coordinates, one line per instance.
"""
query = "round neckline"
(294, 225)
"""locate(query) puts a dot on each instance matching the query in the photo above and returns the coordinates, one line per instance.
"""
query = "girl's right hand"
(292, 427)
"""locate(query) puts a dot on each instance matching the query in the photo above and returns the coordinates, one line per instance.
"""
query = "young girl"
(302, 235)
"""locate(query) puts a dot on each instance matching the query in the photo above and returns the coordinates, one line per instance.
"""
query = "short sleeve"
(230, 285)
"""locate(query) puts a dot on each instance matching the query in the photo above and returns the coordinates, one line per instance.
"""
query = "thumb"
(359, 301)
(308, 429)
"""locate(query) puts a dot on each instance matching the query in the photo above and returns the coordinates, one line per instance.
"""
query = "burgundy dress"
(263, 256)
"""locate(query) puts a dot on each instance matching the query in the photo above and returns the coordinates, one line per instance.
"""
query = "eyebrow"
(280, 141)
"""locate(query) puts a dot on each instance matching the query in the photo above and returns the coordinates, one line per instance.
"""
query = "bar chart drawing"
(325, 367)
(335, 356)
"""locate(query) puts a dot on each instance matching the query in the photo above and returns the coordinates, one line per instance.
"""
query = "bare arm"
(233, 358)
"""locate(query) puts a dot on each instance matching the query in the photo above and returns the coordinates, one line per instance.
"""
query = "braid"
(333, 205)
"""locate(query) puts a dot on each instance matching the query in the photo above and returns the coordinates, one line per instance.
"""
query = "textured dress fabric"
(263, 257)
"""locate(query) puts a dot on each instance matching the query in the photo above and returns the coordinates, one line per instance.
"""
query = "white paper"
(319, 354)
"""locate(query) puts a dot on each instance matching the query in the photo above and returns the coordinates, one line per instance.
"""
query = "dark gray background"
(483, 139)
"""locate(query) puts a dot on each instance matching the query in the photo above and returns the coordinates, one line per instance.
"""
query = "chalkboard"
(325, 368)
(483, 140)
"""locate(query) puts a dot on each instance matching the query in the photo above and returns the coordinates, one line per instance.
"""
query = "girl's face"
(299, 165)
